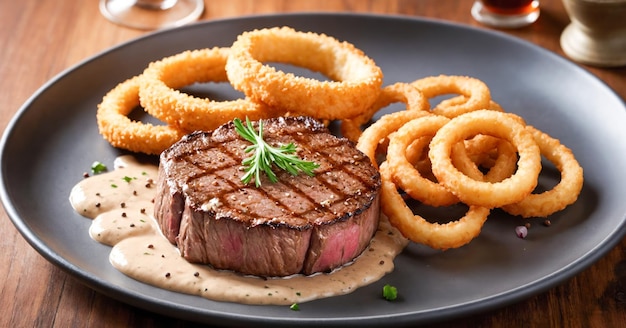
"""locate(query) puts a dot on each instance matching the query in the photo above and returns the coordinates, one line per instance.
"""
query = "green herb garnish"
(127, 179)
(98, 167)
(390, 293)
(295, 307)
(265, 155)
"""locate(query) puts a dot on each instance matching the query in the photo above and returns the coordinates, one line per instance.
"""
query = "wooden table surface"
(39, 39)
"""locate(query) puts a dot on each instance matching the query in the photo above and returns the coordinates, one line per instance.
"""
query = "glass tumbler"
(506, 13)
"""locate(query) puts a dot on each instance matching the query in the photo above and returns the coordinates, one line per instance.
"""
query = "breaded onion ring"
(397, 92)
(564, 193)
(482, 150)
(495, 154)
(377, 133)
(476, 92)
(445, 104)
(121, 132)
(414, 227)
(356, 79)
(404, 174)
(160, 98)
(417, 154)
(474, 192)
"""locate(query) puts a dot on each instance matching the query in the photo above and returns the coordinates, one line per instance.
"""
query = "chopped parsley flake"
(98, 167)
(127, 179)
(390, 293)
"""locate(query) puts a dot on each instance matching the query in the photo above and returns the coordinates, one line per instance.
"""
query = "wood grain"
(42, 38)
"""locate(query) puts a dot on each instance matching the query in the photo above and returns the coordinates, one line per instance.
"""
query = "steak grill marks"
(331, 175)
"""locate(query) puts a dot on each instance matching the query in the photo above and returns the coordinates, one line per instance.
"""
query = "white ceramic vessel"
(597, 33)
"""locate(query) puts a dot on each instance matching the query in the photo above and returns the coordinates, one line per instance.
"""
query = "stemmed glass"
(151, 14)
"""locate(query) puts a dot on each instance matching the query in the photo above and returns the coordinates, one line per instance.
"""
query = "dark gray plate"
(53, 139)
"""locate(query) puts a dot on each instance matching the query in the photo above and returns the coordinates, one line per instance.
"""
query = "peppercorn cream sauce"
(120, 202)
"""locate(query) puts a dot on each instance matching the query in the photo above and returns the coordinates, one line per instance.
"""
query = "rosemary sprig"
(265, 156)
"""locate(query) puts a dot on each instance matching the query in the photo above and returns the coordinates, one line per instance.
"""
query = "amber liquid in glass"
(510, 7)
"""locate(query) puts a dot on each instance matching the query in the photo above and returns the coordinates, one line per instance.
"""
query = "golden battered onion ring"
(482, 150)
(417, 154)
(444, 105)
(414, 227)
(356, 79)
(476, 92)
(158, 94)
(397, 92)
(469, 155)
(120, 131)
(564, 193)
(404, 174)
(474, 192)
(377, 133)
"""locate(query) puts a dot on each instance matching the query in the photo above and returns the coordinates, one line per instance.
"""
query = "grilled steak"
(301, 224)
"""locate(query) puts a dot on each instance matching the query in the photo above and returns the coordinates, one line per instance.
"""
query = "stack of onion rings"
(462, 152)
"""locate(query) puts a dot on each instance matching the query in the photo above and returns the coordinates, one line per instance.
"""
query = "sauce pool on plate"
(120, 202)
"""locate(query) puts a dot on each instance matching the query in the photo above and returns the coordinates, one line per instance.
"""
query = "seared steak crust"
(300, 224)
